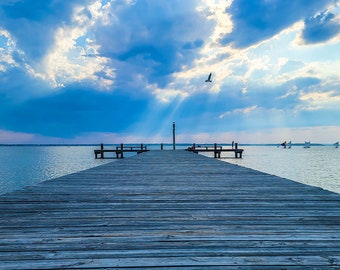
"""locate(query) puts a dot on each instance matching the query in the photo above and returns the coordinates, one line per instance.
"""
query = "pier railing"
(217, 150)
(120, 150)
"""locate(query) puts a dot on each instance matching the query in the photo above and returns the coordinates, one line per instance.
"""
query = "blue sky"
(112, 71)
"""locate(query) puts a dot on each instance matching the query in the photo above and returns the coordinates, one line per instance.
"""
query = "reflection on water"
(27, 165)
(315, 166)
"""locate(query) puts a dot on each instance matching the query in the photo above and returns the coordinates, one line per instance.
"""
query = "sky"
(122, 71)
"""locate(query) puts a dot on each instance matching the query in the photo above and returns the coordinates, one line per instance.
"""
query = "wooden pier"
(217, 150)
(170, 210)
(120, 150)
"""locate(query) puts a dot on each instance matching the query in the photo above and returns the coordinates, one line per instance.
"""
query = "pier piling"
(174, 136)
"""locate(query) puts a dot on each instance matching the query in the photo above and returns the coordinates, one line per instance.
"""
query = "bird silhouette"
(209, 78)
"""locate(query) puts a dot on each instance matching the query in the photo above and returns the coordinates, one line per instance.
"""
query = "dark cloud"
(33, 23)
(149, 38)
(154, 39)
(320, 28)
(17, 85)
(72, 111)
(255, 21)
(272, 97)
(193, 45)
(304, 83)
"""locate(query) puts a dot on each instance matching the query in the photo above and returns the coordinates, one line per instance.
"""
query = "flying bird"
(209, 78)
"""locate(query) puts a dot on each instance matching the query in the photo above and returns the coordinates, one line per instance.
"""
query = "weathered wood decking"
(170, 209)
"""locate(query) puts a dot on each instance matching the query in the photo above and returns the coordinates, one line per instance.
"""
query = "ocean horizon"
(158, 144)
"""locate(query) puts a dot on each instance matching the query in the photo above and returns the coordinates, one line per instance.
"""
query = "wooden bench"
(217, 150)
(120, 150)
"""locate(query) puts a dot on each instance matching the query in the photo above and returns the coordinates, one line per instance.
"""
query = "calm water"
(22, 166)
(315, 166)
(27, 165)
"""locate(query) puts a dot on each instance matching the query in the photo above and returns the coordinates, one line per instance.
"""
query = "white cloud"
(166, 95)
(7, 47)
(101, 13)
(211, 57)
(260, 64)
(244, 111)
(216, 11)
(70, 60)
(5, 60)
(319, 100)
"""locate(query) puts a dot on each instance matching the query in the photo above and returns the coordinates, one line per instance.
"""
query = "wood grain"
(170, 210)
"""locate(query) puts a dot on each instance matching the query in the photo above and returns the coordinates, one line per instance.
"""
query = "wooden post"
(161, 146)
(174, 135)
(216, 153)
(122, 148)
(117, 152)
(102, 152)
(236, 145)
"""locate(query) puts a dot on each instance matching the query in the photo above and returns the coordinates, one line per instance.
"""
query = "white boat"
(286, 145)
(289, 144)
(307, 144)
(336, 144)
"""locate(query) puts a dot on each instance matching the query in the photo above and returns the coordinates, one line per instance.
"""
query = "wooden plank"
(170, 209)
(243, 262)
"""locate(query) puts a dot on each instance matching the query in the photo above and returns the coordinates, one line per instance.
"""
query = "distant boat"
(286, 145)
(336, 144)
(307, 144)
(289, 144)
